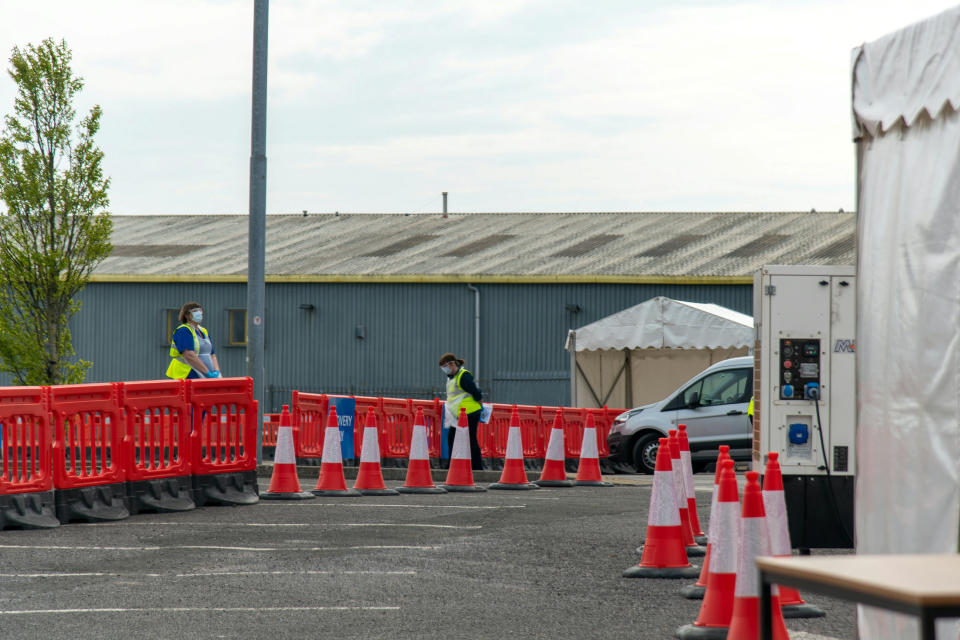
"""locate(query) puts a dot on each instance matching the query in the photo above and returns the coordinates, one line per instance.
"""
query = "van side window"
(682, 401)
(726, 387)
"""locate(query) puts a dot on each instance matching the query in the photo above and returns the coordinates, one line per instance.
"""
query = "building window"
(238, 327)
(172, 321)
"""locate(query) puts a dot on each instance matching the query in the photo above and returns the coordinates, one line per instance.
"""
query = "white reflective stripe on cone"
(663, 504)
(418, 446)
(555, 446)
(370, 451)
(284, 452)
(514, 445)
(711, 527)
(723, 548)
(678, 483)
(775, 506)
(461, 443)
(589, 447)
(331, 445)
(688, 489)
(754, 542)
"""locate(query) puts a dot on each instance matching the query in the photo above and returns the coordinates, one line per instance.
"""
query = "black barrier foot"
(28, 511)
(693, 592)
(336, 493)
(637, 571)
(161, 495)
(553, 483)
(463, 488)
(693, 632)
(103, 503)
(802, 611)
(421, 490)
(378, 492)
(236, 488)
(519, 486)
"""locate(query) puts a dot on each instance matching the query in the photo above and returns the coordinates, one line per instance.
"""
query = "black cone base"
(802, 611)
(693, 632)
(693, 592)
(299, 495)
(463, 488)
(553, 483)
(637, 571)
(591, 483)
(519, 486)
(700, 540)
(696, 552)
(335, 493)
(421, 490)
(377, 492)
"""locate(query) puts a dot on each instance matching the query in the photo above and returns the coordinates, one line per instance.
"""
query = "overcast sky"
(513, 105)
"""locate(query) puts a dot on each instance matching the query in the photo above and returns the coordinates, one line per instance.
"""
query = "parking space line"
(409, 525)
(27, 612)
(96, 574)
(391, 506)
(372, 547)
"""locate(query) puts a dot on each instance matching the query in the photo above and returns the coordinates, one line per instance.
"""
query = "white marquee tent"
(641, 354)
(906, 97)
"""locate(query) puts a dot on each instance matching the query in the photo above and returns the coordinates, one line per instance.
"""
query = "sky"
(508, 105)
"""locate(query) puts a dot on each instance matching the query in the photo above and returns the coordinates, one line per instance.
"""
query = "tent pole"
(628, 380)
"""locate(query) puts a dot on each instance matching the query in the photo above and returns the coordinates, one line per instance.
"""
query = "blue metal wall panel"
(405, 328)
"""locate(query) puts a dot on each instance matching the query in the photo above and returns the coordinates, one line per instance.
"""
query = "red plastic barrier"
(88, 435)
(433, 416)
(309, 423)
(574, 421)
(27, 440)
(224, 425)
(271, 422)
(603, 418)
(157, 429)
(396, 427)
(493, 435)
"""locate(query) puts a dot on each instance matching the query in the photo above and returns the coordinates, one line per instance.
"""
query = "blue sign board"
(346, 407)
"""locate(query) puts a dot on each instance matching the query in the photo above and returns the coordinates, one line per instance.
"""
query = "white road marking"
(218, 548)
(393, 506)
(281, 524)
(204, 575)
(29, 612)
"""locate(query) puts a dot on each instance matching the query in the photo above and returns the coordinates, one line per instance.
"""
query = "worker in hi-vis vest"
(191, 349)
(462, 393)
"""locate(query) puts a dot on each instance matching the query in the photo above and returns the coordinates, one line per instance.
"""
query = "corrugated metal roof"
(545, 247)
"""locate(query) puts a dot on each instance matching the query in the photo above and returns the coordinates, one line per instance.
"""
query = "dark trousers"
(473, 422)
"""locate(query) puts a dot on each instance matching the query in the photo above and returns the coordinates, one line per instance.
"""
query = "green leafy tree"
(55, 229)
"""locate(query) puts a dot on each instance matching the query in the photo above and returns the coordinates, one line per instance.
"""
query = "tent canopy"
(664, 323)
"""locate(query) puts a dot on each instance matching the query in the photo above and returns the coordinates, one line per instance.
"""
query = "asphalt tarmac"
(501, 564)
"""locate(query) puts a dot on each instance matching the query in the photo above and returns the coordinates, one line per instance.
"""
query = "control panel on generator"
(804, 395)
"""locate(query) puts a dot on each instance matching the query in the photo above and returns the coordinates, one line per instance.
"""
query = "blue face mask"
(197, 315)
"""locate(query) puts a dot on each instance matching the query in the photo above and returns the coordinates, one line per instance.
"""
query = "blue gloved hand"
(213, 374)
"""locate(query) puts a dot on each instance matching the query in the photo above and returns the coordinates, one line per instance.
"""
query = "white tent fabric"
(664, 323)
(906, 89)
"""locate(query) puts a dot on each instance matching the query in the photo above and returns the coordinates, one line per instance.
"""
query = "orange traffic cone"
(791, 604)
(554, 472)
(664, 554)
(588, 471)
(369, 480)
(514, 476)
(698, 535)
(284, 484)
(693, 550)
(717, 608)
(332, 481)
(419, 478)
(460, 474)
(754, 542)
(695, 591)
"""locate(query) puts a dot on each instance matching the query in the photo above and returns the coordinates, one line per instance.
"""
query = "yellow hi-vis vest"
(178, 368)
(457, 398)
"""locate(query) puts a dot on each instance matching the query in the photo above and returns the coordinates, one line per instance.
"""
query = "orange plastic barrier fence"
(395, 417)
(271, 422)
(396, 427)
(87, 435)
(27, 440)
(224, 425)
(309, 423)
(157, 429)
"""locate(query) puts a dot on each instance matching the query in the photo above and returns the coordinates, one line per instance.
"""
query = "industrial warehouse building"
(365, 304)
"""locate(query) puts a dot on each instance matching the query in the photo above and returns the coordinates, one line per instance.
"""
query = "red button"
(787, 364)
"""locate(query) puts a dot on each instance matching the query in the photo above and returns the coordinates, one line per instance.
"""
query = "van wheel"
(645, 453)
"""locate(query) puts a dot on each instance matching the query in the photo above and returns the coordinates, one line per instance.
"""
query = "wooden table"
(924, 585)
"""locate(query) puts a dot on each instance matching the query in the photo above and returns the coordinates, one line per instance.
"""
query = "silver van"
(713, 404)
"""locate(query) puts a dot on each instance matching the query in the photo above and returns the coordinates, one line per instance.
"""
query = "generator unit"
(804, 395)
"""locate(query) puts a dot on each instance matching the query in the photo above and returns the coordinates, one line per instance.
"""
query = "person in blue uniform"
(191, 350)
